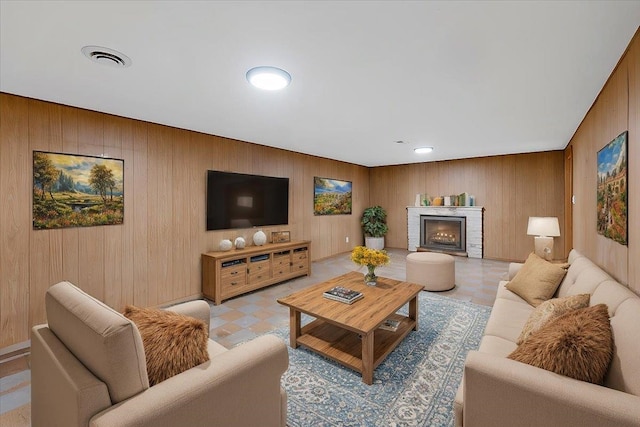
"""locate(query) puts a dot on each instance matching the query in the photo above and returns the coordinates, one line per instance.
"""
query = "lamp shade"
(543, 226)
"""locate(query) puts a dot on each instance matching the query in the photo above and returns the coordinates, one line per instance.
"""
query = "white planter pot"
(374, 242)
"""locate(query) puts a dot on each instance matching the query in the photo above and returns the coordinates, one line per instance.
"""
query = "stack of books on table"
(342, 294)
(390, 325)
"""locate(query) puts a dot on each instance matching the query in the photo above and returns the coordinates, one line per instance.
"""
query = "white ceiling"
(468, 78)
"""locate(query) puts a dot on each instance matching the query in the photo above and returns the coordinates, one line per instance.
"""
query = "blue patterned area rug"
(414, 386)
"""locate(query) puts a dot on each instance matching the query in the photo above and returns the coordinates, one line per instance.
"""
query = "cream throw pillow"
(550, 310)
(537, 280)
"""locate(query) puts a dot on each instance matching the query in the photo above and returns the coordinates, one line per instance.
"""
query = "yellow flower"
(369, 257)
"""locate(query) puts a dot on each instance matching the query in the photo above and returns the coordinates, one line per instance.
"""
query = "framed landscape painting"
(331, 196)
(76, 191)
(612, 190)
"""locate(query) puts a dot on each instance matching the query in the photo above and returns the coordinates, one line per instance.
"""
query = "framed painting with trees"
(76, 191)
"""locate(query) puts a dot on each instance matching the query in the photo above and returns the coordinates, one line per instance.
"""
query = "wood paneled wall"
(511, 189)
(616, 109)
(154, 257)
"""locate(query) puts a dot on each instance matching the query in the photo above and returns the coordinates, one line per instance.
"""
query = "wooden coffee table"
(349, 334)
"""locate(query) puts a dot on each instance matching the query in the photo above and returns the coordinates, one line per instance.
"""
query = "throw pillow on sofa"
(549, 310)
(172, 342)
(537, 280)
(578, 344)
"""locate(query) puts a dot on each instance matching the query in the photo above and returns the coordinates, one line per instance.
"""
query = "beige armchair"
(88, 368)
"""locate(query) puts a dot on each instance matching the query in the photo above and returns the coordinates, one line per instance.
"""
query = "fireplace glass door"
(444, 233)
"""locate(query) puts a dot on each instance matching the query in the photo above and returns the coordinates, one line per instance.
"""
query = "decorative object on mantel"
(612, 190)
(225, 245)
(240, 243)
(280, 236)
(374, 226)
(463, 199)
(371, 258)
(545, 229)
(259, 238)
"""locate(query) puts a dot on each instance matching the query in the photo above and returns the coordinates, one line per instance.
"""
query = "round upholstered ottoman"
(437, 272)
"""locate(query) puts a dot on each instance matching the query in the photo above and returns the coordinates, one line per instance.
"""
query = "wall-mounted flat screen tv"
(236, 200)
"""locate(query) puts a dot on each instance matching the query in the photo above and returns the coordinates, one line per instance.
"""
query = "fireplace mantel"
(473, 214)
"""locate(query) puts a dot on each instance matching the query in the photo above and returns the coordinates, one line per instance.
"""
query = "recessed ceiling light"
(106, 56)
(268, 78)
(423, 150)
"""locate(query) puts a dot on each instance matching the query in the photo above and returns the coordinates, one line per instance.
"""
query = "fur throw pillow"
(549, 310)
(578, 344)
(172, 342)
(537, 280)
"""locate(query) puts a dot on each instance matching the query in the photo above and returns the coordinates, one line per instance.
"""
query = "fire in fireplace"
(443, 233)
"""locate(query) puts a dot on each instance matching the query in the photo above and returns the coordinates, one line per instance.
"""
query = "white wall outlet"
(346, 239)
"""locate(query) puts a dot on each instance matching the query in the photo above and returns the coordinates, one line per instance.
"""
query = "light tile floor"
(247, 316)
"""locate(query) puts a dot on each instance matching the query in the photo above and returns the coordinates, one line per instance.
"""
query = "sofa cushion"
(507, 319)
(102, 339)
(173, 342)
(549, 310)
(578, 344)
(496, 346)
(505, 293)
(612, 294)
(537, 280)
(583, 276)
(624, 372)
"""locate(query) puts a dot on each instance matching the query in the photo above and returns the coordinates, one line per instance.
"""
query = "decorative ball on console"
(240, 243)
(225, 245)
(259, 238)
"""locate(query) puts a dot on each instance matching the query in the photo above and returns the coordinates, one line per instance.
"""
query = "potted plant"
(374, 226)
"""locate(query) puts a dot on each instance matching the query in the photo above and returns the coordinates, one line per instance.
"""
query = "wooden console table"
(238, 271)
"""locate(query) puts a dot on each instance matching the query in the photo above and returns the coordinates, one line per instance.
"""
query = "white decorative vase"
(259, 238)
(225, 245)
(240, 243)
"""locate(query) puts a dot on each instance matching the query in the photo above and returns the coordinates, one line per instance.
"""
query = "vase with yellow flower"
(370, 258)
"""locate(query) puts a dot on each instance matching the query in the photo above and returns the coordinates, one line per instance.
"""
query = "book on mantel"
(343, 294)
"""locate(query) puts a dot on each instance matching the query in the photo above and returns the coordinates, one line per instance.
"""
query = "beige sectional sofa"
(88, 368)
(497, 391)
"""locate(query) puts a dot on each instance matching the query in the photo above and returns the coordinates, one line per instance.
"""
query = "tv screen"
(236, 200)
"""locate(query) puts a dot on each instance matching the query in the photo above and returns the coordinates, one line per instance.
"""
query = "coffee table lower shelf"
(346, 347)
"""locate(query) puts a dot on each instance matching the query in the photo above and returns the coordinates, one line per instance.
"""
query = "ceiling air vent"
(106, 56)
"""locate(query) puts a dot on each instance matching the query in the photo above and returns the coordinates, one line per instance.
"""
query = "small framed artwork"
(612, 190)
(331, 196)
(76, 191)
(280, 236)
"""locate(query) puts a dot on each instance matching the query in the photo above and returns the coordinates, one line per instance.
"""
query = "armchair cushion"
(172, 342)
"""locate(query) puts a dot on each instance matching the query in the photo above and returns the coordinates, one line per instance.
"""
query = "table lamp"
(545, 228)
